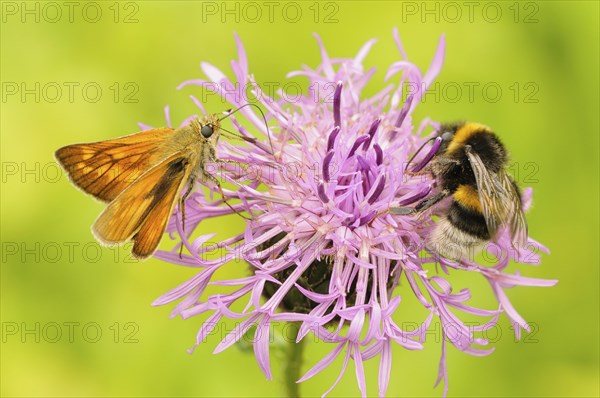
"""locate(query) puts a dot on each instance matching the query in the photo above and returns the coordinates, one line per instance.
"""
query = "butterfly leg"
(218, 185)
(233, 162)
(190, 187)
(242, 167)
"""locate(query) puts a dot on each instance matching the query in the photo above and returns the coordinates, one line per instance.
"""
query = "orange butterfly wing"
(141, 211)
(106, 168)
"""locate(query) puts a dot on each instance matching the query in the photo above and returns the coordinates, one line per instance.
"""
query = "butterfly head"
(208, 128)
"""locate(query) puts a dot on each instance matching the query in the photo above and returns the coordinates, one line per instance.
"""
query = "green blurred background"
(543, 56)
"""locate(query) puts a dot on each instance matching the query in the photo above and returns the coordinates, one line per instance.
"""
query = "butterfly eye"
(207, 131)
(447, 136)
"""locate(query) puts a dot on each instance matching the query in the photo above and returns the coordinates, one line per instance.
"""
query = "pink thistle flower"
(323, 249)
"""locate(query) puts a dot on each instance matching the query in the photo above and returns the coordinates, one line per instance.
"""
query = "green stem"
(293, 363)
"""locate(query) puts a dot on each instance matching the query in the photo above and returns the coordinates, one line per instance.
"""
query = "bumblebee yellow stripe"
(465, 132)
(468, 197)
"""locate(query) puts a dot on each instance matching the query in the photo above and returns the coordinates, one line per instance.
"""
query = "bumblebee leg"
(422, 205)
(422, 172)
(401, 211)
(442, 165)
(432, 200)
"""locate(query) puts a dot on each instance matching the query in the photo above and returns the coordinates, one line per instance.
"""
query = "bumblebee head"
(447, 133)
(468, 133)
(440, 143)
(447, 136)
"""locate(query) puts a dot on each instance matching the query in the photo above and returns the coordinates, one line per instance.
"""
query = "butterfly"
(142, 177)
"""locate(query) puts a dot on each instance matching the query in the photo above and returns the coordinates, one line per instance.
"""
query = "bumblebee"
(469, 166)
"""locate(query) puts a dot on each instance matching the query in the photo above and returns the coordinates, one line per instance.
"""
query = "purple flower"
(323, 249)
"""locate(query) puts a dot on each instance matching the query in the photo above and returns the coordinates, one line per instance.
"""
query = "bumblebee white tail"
(452, 243)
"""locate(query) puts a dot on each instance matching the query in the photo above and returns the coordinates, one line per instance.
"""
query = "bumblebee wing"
(141, 211)
(106, 168)
(516, 217)
(496, 201)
